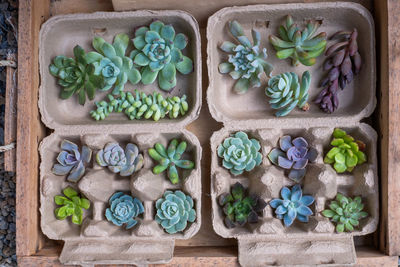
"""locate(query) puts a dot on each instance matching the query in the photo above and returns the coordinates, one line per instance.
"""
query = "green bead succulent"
(246, 62)
(239, 153)
(346, 153)
(299, 45)
(76, 76)
(158, 51)
(141, 106)
(345, 212)
(170, 159)
(286, 92)
(72, 205)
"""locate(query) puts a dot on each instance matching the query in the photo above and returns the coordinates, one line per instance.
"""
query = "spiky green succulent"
(111, 63)
(158, 51)
(345, 212)
(346, 152)
(286, 92)
(170, 159)
(76, 76)
(299, 45)
(71, 205)
(246, 62)
(141, 106)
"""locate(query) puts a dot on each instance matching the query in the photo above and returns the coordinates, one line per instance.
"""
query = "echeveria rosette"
(345, 212)
(174, 211)
(240, 208)
(293, 155)
(76, 76)
(71, 205)
(170, 158)
(71, 161)
(299, 45)
(112, 64)
(158, 51)
(286, 92)
(246, 61)
(239, 153)
(119, 161)
(293, 205)
(123, 210)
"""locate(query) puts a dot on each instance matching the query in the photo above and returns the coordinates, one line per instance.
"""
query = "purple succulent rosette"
(293, 155)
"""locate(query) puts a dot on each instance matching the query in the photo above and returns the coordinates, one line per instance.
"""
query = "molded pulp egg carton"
(98, 241)
(268, 242)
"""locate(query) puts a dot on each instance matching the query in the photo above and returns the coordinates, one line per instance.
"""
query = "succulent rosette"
(108, 70)
(158, 51)
(123, 210)
(174, 211)
(71, 205)
(239, 153)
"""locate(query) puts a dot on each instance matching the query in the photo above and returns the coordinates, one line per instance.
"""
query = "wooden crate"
(206, 248)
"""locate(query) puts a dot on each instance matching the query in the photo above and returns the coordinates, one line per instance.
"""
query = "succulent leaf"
(71, 205)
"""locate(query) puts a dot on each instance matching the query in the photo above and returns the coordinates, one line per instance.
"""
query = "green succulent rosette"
(71, 205)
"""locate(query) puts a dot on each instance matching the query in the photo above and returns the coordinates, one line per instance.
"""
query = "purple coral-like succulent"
(293, 155)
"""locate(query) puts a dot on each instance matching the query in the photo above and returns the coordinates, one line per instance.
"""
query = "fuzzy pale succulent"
(302, 46)
(170, 158)
(240, 208)
(286, 92)
(239, 153)
(158, 51)
(246, 61)
(125, 162)
(293, 155)
(174, 211)
(343, 63)
(71, 205)
(293, 205)
(346, 152)
(76, 76)
(345, 212)
(71, 161)
(123, 210)
(141, 106)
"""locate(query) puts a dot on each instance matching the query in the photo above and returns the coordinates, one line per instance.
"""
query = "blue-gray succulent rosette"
(123, 210)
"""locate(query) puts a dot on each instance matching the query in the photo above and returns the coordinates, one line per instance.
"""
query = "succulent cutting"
(286, 92)
(293, 205)
(239, 153)
(345, 212)
(302, 46)
(123, 210)
(343, 63)
(76, 76)
(141, 106)
(170, 158)
(71, 205)
(174, 211)
(158, 51)
(346, 152)
(293, 155)
(240, 208)
(246, 61)
(119, 161)
(71, 161)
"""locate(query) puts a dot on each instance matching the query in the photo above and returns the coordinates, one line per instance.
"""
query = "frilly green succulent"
(345, 212)
(174, 211)
(119, 161)
(239, 153)
(158, 50)
(246, 61)
(141, 106)
(302, 46)
(123, 210)
(111, 63)
(72, 205)
(286, 92)
(76, 76)
(346, 152)
(170, 159)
